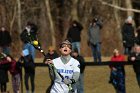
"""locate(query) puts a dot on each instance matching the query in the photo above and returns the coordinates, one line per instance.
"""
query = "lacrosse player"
(66, 70)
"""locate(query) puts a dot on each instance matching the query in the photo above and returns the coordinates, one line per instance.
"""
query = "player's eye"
(69, 46)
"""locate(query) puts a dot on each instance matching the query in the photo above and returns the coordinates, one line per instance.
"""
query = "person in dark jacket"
(27, 35)
(80, 82)
(14, 69)
(29, 68)
(3, 72)
(94, 38)
(128, 36)
(5, 40)
(135, 57)
(52, 54)
(74, 34)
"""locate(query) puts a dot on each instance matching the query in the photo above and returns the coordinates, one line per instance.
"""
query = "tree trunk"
(13, 19)
(117, 13)
(19, 15)
(3, 15)
(51, 23)
(129, 6)
(74, 13)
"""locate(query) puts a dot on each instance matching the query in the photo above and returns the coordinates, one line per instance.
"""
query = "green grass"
(95, 80)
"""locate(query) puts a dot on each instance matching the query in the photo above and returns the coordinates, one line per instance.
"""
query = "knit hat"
(67, 42)
(129, 18)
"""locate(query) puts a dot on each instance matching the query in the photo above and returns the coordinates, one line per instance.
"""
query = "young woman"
(67, 69)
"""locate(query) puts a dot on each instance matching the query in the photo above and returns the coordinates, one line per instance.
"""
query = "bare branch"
(118, 7)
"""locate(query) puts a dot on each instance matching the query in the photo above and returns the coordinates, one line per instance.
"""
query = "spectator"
(67, 67)
(74, 35)
(15, 69)
(29, 68)
(80, 82)
(3, 72)
(117, 77)
(128, 35)
(52, 54)
(94, 39)
(135, 57)
(5, 40)
(27, 35)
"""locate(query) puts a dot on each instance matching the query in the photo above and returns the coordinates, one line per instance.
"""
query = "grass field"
(95, 80)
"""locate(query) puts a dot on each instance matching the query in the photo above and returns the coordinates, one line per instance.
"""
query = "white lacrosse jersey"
(66, 70)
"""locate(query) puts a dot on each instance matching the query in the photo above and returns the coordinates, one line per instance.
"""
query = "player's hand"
(67, 81)
(9, 59)
(48, 61)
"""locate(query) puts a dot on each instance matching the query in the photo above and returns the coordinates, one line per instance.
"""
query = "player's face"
(65, 49)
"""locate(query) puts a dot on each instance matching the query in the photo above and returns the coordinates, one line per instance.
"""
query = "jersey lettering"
(65, 71)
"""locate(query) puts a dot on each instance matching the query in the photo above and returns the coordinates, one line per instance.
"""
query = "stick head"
(35, 43)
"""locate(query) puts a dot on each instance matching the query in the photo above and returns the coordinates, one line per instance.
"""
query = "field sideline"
(95, 79)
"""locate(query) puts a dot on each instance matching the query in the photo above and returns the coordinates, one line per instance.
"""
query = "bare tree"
(19, 15)
(74, 13)
(3, 14)
(51, 22)
(128, 4)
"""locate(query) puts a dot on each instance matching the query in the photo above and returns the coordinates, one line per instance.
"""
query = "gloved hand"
(69, 81)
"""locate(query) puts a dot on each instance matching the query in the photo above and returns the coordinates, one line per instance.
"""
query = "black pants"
(3, 87)
(32, 77)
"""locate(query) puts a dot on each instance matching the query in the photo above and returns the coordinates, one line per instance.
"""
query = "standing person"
(5, 40)
(74, 34)
(28, 55)
(29, 34)
(29, 68)
(94, 39)
(117, 77)
(3, 72)
(52, 54)
(128, 35)
(135, 57)
(80, 82)
(14, 69)
(67, 66)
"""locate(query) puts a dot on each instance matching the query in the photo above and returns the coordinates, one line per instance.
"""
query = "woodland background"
(53, 18)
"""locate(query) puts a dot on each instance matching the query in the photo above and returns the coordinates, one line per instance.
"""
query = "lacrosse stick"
(37, 46)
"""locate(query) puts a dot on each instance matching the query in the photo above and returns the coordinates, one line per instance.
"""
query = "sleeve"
(76, 73)
(100, 24)
(80, 26)
(69, 35)
(9, 38)
(77, 67)
(82, 64)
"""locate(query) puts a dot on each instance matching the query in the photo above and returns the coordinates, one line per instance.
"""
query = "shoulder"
(56, 60)
(74, 61)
